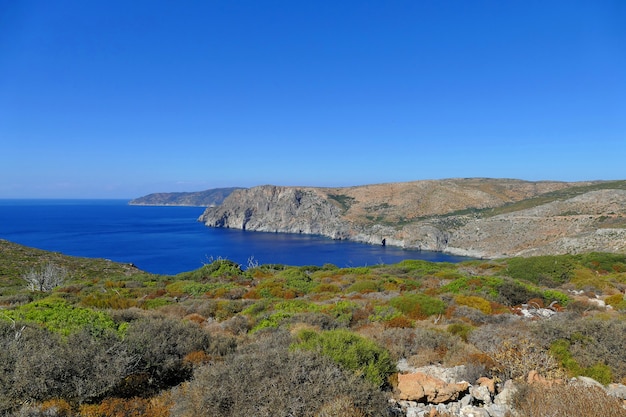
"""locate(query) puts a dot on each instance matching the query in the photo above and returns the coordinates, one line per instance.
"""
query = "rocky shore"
(484, 218)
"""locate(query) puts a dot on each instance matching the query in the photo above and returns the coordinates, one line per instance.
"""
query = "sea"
(169, 240)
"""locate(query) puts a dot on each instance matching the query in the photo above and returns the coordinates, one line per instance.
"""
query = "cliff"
(208, 198)
(476, 217)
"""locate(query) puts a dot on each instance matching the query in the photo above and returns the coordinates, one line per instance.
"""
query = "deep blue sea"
(169, 240)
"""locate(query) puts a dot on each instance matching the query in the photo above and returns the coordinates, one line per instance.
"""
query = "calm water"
(169, 240)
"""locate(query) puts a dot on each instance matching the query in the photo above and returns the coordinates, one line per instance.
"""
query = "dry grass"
(565, 401)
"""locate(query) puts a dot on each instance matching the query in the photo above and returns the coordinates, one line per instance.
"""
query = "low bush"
(59, 316)
(39, 365)
(418, 306)
(266, 380)
(511, 293)
(461, 330)
(351, 351)
(473, 301)
(548, 271)
(161, 344)
(518, 358)
(565, 401)
(591, 342)
(617, 301)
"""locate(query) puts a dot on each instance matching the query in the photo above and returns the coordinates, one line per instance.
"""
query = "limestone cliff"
(476, 217)
(279, 209)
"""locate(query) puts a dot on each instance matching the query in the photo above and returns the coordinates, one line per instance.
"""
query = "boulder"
(421, 387)
(535, 378)
(470, 411)
(505, 397)
(585, 381)
(481, 393)
(617, 390)
(490, 383)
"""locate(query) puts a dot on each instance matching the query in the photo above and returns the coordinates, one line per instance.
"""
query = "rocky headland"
(207, 198)
(477, 217)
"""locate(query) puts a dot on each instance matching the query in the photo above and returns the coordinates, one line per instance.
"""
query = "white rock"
(481, 393)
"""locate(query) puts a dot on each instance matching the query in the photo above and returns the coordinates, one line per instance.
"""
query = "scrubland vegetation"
(277, 340)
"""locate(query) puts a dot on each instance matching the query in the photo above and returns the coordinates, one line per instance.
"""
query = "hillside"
(540, 336)
(207, 198)
(478, 217)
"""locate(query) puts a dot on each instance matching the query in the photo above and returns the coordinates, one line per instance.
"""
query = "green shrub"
(513, 293)
(461, 330)
(555, 295)
(543, 270)
(297, 280)
(418, 267)
(272, 321)
(617, 301)
(478, 303)
(364, 286)
(487, 286)
(351, 351)
(384, 313)
(418, 306)
(342, 311)
(591, 341)
(59, 316)
(598, 371)
(221, 268)
(604, 262)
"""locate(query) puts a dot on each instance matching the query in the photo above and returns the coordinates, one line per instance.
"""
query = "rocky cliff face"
(475, 217)
(279, 209)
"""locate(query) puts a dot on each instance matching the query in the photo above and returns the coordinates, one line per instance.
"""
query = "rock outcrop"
(473, 217)
(435, 390)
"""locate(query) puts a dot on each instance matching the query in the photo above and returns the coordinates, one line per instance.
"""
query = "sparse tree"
(46, 278)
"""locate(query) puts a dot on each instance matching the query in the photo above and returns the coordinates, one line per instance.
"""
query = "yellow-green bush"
(472, 301)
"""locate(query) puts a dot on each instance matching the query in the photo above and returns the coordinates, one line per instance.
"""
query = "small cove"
(170, 240)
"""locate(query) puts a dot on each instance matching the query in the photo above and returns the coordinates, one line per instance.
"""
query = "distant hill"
(477, 217)
(207, 198)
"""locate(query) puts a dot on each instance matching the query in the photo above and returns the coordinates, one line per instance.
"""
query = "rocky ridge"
(475, 217)
(208, 198)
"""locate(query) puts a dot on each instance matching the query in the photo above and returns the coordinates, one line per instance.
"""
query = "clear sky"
(117, 99)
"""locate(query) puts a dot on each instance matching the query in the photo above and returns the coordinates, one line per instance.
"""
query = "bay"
(170, 240)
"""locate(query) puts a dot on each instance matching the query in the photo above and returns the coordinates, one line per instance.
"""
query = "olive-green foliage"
(363, 286)
(59, 316)
(617, 301)
(589, 342)
(461, 330)
(417, 267)
(598, 371)
(418, 305)
(267, 380)
(543, 270)
(478, 285)
(555, 295)
(604, 262)
(351, 351)
(220, 269)
(513, 293)
(297, 280)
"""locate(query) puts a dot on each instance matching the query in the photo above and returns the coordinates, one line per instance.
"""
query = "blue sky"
(117, 99)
